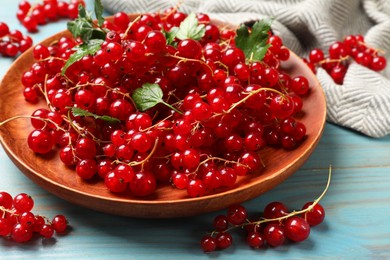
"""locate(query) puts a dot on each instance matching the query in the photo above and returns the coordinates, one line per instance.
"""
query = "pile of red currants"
(20, 224)
(166, 98)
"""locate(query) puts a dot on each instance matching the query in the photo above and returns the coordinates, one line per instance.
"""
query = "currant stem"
(155, 125)
(10, 211)
(310, 208)
(131, 24)
(148, 157)
(293, 213)
(171, 107)
(44, 92)
(252, 93)
(334, 60)
(183, 59)
(219, 159)
(32, 117)
(81, 130)
(376, 50)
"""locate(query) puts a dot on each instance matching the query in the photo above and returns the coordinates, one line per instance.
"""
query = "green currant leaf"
(171, 35)
(99, 12)
(254, 42)
(83, 13)
(87, 48)
(190, 29)
(76, 111)
(148, 96)
(83, 26)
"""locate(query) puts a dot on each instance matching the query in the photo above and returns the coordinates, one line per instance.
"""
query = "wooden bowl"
(50, 173)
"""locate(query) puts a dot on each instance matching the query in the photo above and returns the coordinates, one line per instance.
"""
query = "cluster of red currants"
(340, 55)
(13, 42)
(275, 227)
(19, 223)
(49, 10)
(220, 108)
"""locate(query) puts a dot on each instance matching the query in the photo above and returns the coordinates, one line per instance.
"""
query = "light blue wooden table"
(357, 205)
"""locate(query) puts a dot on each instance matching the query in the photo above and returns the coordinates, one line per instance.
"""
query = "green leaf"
(87, 48)
(147, 96)
(254, 42)
(76, 111)
(99, 12)
(189, 28)
(171, 35)
(83, 26)
(82, 12)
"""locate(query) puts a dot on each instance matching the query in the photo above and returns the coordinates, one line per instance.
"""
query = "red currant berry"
(224, 240)
(300, 85)
(378, 63)
(143, 184)
(59, 223)
(296, 229)
(47, 231)
(21, 233)
(236, 214)
(274, 235)
(196, 188)
(5, 227)
(221, 223)
(40, 141)
(208, 244)
(116, 181)
(23, 202)
(255, 240)
(282, 106)
(6, 200)
(275, 210)
(315, 216)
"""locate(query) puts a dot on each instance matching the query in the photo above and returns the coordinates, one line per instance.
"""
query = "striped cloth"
(362, 103)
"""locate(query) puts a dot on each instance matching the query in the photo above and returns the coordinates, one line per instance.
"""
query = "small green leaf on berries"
(171, 35)
(76, 111)
(89, 48)
(254, 41)
(83, 27)
(148, 96)
(99, 12)
(190, 29)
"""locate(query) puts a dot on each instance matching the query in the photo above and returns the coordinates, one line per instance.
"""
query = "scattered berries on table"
(31, 14)
(340, 55)
(19, 223)
(13, 42)
(273, 228)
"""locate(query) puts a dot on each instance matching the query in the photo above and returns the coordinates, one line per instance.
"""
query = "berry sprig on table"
(340, 55)
(32, 15)
(276, 225)
(19, 223)
(13, 42)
